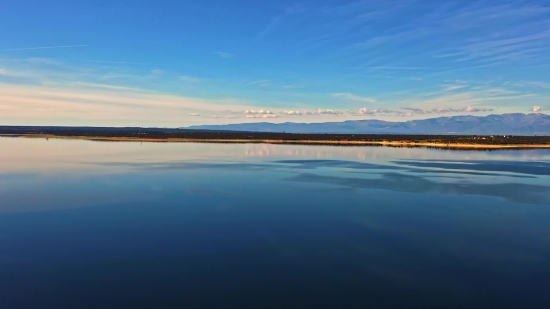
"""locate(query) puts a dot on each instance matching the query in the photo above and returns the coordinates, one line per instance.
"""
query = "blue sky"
(178, 63)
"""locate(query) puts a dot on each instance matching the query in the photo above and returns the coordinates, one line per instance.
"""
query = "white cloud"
(536, 109)
(467, 109)
(370, 112)
(193, 114)
(353, 97)
(300, 113)
(258, 112)
(292, 113)
(262, 116)
(411, 111)
(475, 109)
(322, 111)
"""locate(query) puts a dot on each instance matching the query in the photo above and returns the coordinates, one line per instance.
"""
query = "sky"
(169, 63)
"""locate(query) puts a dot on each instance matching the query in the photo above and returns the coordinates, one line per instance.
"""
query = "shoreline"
(282, 141)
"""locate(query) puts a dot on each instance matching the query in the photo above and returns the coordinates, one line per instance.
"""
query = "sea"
(90, 224)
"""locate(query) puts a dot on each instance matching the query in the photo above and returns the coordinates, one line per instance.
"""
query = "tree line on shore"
(161, 133)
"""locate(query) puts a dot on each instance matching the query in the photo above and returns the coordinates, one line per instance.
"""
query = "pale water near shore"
(191, 225)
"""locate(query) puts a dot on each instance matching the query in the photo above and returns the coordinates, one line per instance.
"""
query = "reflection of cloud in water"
(533, 168)
(313, 164)
(515, 192)
(404, 176)
(486, 168)
(384, 153)
(173, 166)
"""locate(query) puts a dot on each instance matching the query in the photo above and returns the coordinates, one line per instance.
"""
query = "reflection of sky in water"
(54, 154)
(271, 225)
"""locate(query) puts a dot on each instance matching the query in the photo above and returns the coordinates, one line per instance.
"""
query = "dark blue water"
(128, 225)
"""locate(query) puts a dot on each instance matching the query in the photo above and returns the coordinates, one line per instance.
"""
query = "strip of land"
(179, 135)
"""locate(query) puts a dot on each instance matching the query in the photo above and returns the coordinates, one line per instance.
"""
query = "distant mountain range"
(506, 124)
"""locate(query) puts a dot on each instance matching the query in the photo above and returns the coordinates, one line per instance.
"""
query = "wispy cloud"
(271, 26)
(189, 79)
(92, 86)
(117, 62)
(292, 86)
(285, 84)
(458, 93)
(353, 97)
(395, 68)
(41, 61)
(454, 87)
(484, 33)
(224, 55)
(261, 83)
(193, 114)
(43, 47)
(374, 37)
(80, 105)
(507, 48)
(224, 117)
(11, 73)
(532, 84)
(276, 21)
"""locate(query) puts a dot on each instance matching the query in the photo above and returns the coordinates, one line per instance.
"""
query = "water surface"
(192, 225)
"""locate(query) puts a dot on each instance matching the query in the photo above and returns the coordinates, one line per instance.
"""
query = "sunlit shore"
(283, 141)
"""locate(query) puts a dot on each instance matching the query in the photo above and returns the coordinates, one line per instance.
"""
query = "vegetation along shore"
(183, 135)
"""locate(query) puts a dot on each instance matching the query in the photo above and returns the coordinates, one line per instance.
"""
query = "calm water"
(125, 225)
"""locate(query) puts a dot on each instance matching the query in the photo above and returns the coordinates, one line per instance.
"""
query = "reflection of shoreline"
(296, 142)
